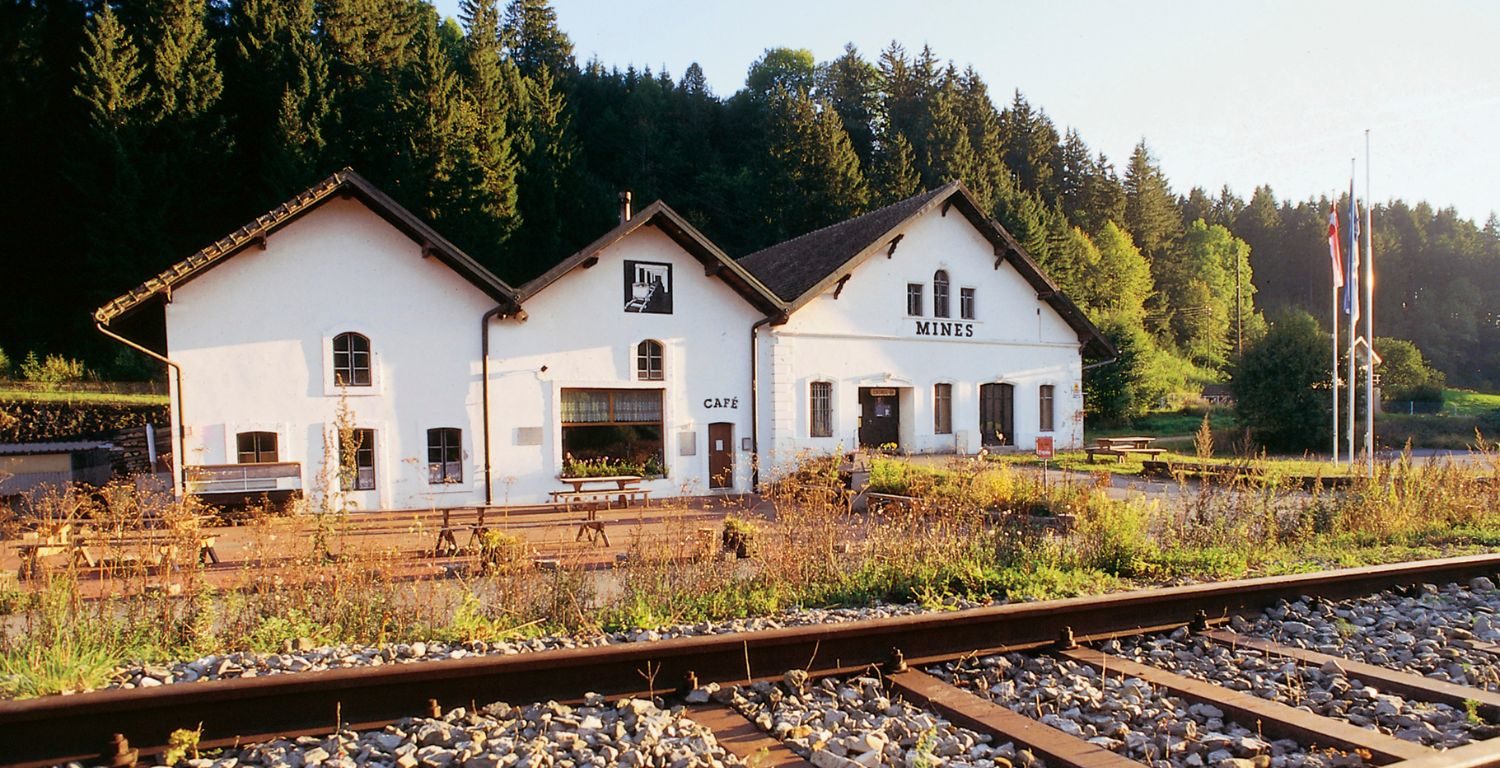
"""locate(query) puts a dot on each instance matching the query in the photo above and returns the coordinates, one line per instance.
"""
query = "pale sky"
(1239, 93)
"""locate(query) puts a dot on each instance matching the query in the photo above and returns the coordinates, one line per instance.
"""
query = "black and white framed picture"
(648, 287)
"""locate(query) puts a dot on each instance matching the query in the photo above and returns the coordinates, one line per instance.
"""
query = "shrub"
(1281, 387)
(55, 369)
(4, 365)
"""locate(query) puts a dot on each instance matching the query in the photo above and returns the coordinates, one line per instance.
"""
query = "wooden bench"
(592, 501)
(88, 549)
(1121, 453)
(469, 519)
(1120, 447)
(624, 492)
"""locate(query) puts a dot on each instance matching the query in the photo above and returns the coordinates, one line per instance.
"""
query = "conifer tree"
(369, 48)
(548, 173)
(949, 156)
(535, 41)
(279, 78)
(184, 77)
(1030, 142)
(810, 174)
(851, 86)
(111, 85)
(489, 106)
(894, 176)
(991, 177)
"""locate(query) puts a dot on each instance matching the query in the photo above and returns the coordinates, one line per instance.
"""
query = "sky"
(1240, 93)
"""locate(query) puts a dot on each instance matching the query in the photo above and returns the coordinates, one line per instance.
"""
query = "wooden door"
(721, 455)
(997, 414)
(879, 417)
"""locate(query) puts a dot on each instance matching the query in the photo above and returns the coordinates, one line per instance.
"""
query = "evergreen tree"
(548, 174)
(894, 176)
(279, 78)
(1103, 197)
(811, 175)
(991, 178)
(949, 156)
(369, 45)
(112, 88)
(185, 82)
(1152, 218)
(851, 86)
(1030, 143)
(535, 41)
(487, 75)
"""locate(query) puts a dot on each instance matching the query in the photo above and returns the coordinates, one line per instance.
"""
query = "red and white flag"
(1334, 251)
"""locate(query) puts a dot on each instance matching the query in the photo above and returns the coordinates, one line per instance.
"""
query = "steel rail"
(58, 729)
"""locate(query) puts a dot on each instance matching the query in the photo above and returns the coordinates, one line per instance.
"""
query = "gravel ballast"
(631, 733)
(1325, 690)
(1128, 715)
(855, 724)
(1431, 631)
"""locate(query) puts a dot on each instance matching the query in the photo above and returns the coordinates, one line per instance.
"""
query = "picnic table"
(1120, 447)
(604, 490)
(88, 547)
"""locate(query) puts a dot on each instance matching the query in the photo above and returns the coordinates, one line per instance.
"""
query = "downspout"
(484, 386)
(755, 403)
(179, 480)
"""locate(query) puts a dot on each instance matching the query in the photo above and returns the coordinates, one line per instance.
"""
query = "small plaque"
(687, 443)
(883, 392)
(528, 435)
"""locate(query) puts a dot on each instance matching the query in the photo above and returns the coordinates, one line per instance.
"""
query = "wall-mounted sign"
(721, 402)
(883, 392)
(648, 287)
(938, 328)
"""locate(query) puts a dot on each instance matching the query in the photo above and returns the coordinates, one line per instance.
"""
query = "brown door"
(997, 414)
(879, 417)
(721, 455)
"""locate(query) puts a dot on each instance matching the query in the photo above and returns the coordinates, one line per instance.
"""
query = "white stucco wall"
(865, 338)
(254, 336)
(578, 331)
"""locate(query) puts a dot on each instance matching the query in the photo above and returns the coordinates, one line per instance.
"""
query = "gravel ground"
(305, 657)
(631, 733)
(1127, 716)
(1430, 631)
(854, 724)
(1325, 690)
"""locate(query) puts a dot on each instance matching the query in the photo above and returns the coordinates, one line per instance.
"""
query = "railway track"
(927, 660)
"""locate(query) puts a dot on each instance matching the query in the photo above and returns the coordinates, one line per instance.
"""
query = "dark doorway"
(997, 414)
(879, 417)
(721, 455)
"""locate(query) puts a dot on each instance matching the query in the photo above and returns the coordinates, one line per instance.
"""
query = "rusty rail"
(81, 727)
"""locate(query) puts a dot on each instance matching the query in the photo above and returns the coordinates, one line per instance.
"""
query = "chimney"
(624, 207)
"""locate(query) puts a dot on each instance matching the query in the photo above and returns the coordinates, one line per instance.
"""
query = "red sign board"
(1044, 447)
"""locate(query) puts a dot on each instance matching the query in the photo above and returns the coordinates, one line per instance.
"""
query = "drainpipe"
(484, 386)
(755, 403)
(179, 477)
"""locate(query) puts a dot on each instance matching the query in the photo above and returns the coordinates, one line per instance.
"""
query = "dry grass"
(976, 530)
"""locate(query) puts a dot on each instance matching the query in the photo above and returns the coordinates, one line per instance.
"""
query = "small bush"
(55, 369)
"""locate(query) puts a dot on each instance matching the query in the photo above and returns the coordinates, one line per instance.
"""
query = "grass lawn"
(1131, 465)
(1168, 423)
(101, 398)
(1464, 402)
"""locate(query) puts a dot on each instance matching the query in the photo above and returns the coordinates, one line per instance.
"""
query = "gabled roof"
(803, 268)
(658, 214)
(344, 183)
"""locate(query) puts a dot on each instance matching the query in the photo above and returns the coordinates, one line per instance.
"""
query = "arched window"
(351, 360)
(648, 361)
(940, 293)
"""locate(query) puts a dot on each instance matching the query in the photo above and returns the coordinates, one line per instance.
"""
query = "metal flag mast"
(1369, 310)
(1338, 282)
(1351, 304)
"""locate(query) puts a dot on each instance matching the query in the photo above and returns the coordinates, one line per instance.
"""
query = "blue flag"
(1351, 283)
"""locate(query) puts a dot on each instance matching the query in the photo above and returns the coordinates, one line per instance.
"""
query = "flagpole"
(1335, 387)
(1369, 309)
(1353, 294)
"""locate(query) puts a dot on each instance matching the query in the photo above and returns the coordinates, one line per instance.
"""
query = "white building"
(650, 347)
(922, 325)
